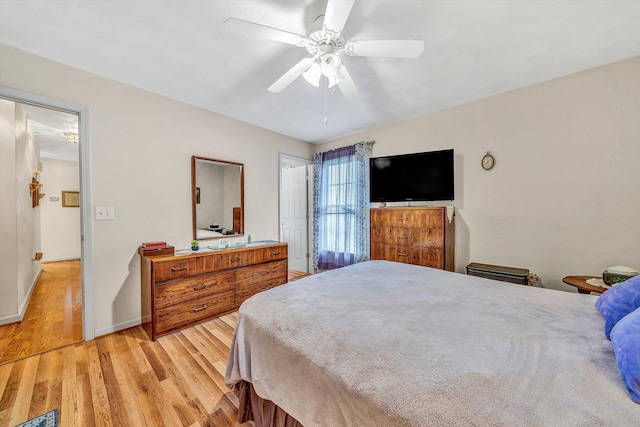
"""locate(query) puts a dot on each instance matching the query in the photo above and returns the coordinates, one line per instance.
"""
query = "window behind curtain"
(341, 187)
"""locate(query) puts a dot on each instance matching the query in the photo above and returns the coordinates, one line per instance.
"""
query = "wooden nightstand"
(580, 282)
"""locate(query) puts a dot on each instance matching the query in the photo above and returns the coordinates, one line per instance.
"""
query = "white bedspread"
(389, 344)
(207, 234)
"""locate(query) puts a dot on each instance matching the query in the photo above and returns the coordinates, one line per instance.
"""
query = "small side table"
(580, 282)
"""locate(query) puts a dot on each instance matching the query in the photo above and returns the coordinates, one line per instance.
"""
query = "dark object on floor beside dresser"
(498, 272)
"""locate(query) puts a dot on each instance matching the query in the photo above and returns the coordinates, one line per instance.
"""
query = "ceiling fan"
(324, 44)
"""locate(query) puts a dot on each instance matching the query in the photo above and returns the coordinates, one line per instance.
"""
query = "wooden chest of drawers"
(179, 291)
(417, 235)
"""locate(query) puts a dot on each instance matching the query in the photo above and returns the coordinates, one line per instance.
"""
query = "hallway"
(53, 317)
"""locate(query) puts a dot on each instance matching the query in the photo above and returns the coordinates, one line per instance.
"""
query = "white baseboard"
(118, 327)
(10, 319)
(60, 259)
(23, 308)
(31, 288)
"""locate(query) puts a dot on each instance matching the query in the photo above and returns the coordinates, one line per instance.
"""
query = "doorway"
(48, 285)
(296, 192)
(83, 198)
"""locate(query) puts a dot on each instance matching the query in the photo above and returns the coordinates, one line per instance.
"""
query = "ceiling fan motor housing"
(323, 41)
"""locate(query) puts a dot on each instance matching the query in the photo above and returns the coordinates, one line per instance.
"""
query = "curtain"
(341, 206)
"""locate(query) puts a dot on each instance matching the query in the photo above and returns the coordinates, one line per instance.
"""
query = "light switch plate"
(105, 213)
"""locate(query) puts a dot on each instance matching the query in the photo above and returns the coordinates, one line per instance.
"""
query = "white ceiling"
(180, 49)
(49, 129)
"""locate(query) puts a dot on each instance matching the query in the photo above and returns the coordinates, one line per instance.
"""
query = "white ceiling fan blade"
(347, 86)
(336, 14)
(385, 48)
(291, 75)
(256, 30)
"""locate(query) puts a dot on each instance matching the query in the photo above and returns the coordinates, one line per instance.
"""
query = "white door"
(293, 211)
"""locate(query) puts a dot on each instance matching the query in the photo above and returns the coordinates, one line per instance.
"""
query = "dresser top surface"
(210, 250)
(403, 208)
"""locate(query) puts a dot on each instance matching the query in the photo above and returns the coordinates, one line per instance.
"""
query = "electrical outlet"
(54, 199)
(105, 213)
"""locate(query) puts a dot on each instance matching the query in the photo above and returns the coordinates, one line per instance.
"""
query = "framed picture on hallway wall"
(70, 199)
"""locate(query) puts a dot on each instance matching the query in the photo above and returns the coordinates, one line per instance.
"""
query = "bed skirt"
(263, 412)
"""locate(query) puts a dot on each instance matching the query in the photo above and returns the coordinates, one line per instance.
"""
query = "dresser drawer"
(261, 272)
(193, 311)
(411, 217)
(398, 235)
(252, 280)
(430, 257)
(224, 261)
(193, 288)
(174, 269)
(426, 237)
(402, 253)
(389, 218)
(427, 256)
(272, 253)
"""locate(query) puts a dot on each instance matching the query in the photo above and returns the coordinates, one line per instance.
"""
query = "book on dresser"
(422, 235)
(180, 291)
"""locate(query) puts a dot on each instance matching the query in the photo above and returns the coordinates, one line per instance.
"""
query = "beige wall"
(8, 213)
(60, 225)
(28, 217)
(564, 195)
(19, 221)
(141, 148)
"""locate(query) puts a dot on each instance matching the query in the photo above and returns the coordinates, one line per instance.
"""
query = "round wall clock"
(488, 161)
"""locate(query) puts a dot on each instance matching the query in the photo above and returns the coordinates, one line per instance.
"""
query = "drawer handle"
(184, 267)
(199, 288)
(402, 237)
(401, 219)
(262, 272)
(399, 254)
(235, 259)
(275, 253)
(195, 310)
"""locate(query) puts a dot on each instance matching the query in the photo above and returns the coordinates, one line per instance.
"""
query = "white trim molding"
(120, 326)
(18, 317)
(88, 324)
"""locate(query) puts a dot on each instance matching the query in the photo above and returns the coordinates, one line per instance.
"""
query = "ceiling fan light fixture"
(73, 137)
(335, 79)
(313, 74)
(331, 69)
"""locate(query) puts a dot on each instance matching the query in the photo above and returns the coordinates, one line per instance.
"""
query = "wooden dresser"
(417, 235)
(180, 291)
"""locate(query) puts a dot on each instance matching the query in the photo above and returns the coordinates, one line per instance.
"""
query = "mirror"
(217, 191)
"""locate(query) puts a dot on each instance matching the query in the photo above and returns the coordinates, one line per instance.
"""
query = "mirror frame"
(193, 196)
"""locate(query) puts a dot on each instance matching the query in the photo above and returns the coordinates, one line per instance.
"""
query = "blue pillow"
(625, 338)
(619, 301)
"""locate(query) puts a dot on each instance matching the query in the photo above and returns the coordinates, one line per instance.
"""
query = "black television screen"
(412, 177)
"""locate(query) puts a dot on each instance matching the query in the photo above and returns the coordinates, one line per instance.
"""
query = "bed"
(203, 233)
(389, 344)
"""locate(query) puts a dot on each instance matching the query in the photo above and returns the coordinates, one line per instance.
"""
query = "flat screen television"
(412, 177)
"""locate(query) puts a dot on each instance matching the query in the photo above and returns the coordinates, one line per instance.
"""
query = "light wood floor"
(124, 379)
(53, 317)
